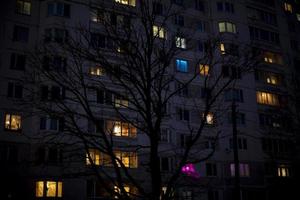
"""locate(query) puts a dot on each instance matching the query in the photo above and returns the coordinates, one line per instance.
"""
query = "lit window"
(270, 57)
(204, 69)
(97, 71)
(118, 190)
(128, 159)
(13, 122)
(121, 102)
(268, 77)
(121, 129)
(159, 32)
(39, 189)
(180, 42)
(227, 27)
(209, 119)
(229, 48)
(288, 7)
(182, 65)
(126, 2)
(48, 189)
(96, 16)
(23, 7)
(222, 48)
(244, 169)
(283, 171)
(95, 156)
(267, 98)
(272, 79)
(298, 17)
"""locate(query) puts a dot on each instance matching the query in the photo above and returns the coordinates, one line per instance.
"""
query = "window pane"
(210, 118)
(59, 189)
(117, 130)
(125, 129)
(182, 65)
(53, 124)
(232, 169)
(204, 69)
(222, 27)
(12, 122)
(7, 121)
(125, 160)
(51, 189)
(39, 189)
(27, 6)
(229, 27)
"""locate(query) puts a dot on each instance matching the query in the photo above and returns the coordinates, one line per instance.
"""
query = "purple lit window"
(189, 169)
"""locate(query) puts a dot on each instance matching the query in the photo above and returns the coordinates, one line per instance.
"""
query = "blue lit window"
(182, 65)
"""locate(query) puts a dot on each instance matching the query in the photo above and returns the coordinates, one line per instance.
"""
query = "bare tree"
(115, 111)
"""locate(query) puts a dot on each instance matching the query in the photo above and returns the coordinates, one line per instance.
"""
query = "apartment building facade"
(32, 169)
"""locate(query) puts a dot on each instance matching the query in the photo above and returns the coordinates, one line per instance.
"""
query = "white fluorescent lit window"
(180, 42)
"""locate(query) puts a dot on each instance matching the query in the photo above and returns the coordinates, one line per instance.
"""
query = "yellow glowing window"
(118, 190)
(97, 71)
(121, 129)
(39, 189)
(48, 189)
(159, 32)
(283, 171)
(126, 2)
(95, 157)
(272, 79)
(267, 98)
(270, 57)
(51, 189)
(128, 159)
(288, 7)
(222, 48)
(13, 122)
(204, 69)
